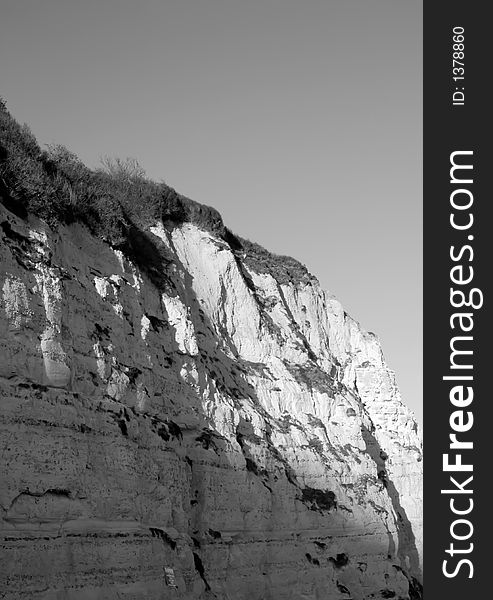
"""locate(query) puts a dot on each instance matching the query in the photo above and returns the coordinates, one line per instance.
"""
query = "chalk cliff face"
(220, 430)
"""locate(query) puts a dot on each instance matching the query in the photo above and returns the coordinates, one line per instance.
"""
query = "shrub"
(117, 202)
(284, 269)
(126, 170)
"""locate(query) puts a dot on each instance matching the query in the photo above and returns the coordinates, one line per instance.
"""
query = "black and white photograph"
(211, 301)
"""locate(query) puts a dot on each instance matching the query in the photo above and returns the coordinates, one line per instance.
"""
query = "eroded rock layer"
(216, 431)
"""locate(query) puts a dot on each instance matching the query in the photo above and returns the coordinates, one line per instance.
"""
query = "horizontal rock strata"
(224, 431)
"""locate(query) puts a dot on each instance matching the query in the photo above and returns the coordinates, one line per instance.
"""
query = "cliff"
(186, 416)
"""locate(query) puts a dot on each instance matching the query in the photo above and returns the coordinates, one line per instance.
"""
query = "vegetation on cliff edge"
(117, 202)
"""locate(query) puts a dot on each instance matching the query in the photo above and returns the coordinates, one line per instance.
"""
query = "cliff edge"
(183, 414)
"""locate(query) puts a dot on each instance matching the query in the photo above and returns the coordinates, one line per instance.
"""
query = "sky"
(299, 120)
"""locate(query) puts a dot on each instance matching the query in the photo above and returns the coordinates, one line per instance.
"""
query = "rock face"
(229, 432)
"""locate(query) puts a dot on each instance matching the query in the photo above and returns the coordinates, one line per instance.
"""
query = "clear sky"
(299, 120)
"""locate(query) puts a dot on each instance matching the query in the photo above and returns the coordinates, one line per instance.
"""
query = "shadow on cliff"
(219, 361)
(407, 550)
(222, 363)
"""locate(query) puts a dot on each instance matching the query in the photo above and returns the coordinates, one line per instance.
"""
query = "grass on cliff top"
(283, 268)
(117, 202)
